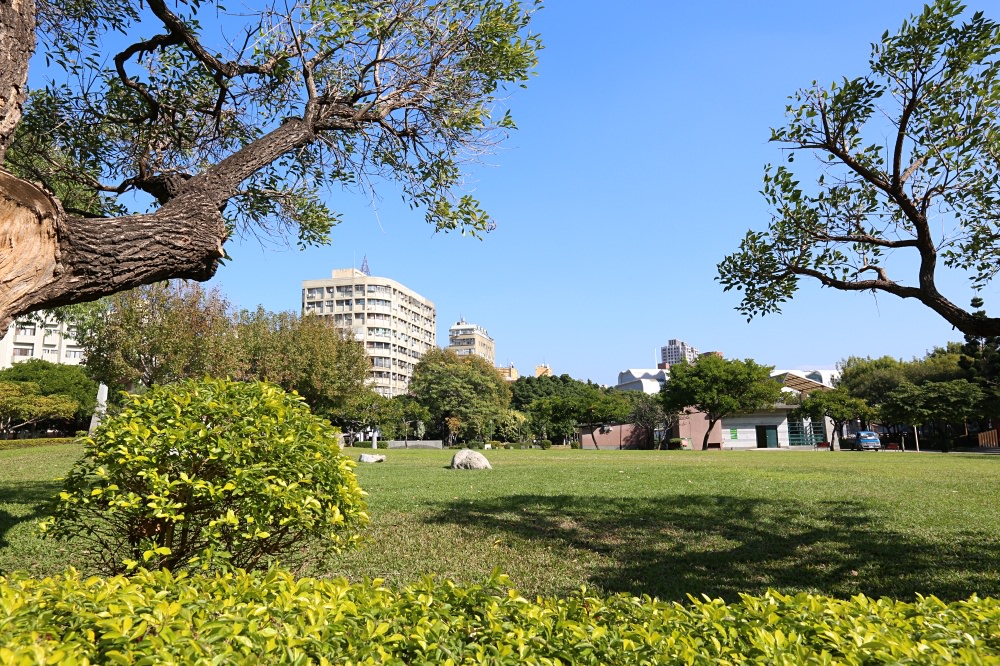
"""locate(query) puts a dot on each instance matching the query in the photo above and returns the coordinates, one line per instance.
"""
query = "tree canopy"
(165, 332)
(70, 381)
(306, 354)
(22, 404)
(719, 388)
(464, 396)
(526, 390)
(165, 128)
(946, 404)
(908, 163)
(158, 334)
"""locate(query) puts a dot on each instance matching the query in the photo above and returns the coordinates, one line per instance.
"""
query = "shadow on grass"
(722, 546)
(24, 501)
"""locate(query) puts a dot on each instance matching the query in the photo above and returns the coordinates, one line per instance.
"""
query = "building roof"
(797, 381)
(647, 380)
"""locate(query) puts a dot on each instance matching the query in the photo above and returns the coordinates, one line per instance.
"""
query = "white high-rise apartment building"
(466, 339)
(51, 341)
(677, 351)
(396, 325)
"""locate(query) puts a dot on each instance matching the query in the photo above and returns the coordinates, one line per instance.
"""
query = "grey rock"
(371, 458)
(469, 459)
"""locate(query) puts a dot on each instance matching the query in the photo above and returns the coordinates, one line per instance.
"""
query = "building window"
(74, 353)
(26, 329)
(25, 351)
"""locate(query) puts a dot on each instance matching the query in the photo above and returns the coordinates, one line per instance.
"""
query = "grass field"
(663, 523)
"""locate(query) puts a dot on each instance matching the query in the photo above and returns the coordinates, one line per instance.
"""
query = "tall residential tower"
(678, 351)
(396, 325)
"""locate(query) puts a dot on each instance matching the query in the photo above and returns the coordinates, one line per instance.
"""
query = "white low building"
(647, 380)
(51, 341)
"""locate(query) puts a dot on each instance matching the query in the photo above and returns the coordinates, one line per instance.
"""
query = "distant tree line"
(166, 332)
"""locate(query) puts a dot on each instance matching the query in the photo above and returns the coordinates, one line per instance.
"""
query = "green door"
(767, 437)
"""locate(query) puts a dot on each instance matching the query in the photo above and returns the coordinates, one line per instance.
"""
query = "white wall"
(746, 429)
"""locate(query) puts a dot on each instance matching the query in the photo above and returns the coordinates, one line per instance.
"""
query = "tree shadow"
(24, 501)
(723, 546)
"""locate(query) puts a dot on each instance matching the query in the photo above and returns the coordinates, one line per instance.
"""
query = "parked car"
(866, 440)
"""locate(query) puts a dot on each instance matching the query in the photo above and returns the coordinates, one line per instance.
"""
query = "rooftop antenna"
(364, 266)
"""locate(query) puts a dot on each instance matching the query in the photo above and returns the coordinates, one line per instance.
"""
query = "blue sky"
(636, 169)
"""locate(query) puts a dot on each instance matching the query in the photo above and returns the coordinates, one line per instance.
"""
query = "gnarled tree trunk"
(49, 258)
(17, 43)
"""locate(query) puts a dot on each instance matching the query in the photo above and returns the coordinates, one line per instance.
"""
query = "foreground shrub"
(209, 473)
(238, 618)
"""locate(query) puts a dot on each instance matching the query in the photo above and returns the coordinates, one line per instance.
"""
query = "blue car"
(866, 440)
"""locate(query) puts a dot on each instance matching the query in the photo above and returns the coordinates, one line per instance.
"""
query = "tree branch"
(961, 319)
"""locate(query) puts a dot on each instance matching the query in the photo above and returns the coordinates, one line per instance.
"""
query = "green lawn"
(662, 523)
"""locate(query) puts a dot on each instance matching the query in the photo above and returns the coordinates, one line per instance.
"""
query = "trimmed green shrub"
(274, 618)
(8, 444)
(209, 473)
(545, 444)
(574, 444)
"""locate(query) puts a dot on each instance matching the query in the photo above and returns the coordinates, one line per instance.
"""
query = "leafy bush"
(574, 444)
(209, 473)
(675, 444)
(545, 444)
(274, 618)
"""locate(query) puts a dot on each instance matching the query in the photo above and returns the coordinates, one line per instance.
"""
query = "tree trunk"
(708, 433)
(17, 43)
(54, 259)
(837, 428)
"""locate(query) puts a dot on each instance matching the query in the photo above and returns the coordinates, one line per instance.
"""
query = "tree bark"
(49, 258)
(17, 43)
(708, 435)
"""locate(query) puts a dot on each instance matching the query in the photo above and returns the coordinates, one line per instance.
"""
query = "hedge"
(275, 618)
(9, 444)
